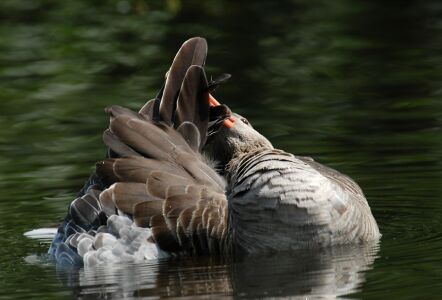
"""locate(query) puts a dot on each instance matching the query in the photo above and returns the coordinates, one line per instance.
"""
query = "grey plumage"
(297, 201)
(86, 210)
(278, 192)
(159, 193)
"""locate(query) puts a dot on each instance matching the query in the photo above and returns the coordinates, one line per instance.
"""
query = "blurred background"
(355, 84)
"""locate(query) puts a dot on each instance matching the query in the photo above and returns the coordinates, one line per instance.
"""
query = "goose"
(187, 176)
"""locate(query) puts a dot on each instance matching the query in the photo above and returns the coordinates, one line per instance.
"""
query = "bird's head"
(230, 135)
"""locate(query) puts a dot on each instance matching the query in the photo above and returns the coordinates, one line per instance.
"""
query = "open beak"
(230, 121)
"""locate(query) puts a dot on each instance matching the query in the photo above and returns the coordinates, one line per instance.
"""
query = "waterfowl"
(186, 176)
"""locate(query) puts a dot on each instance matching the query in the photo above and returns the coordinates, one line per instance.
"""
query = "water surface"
(355, 85)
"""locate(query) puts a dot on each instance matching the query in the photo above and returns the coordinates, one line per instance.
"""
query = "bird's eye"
(244, 120)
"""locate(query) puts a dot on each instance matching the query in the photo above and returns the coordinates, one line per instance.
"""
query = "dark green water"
(358, 86)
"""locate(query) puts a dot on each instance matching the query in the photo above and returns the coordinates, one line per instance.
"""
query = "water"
(355, 85)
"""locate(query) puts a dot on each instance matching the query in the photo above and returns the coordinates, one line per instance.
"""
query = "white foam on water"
(41, 233)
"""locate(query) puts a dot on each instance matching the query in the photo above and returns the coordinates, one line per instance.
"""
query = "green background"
(355, 84)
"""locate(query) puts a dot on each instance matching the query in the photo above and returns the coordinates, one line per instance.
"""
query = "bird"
(187, 176)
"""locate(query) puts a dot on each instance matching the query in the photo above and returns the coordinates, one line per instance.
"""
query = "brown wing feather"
(192, 52)
(117, 146)
(167, 186)
(134, 169)
(127, 194)
(116, 110)
(146, 138)
(144, 211)
(148, 109)
(107, 203)
(191, 134)
(163, 236)
(193, 103)
(158, 183)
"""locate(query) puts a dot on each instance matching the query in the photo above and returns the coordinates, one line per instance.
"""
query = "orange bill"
(212, 101)
(229, 123)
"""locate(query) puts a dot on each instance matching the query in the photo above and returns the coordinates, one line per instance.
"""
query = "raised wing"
(155, 194)
(169, 188)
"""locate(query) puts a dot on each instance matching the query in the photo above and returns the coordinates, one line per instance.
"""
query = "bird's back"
(278, 201)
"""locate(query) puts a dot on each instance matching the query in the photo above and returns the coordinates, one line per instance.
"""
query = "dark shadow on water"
(326, 273)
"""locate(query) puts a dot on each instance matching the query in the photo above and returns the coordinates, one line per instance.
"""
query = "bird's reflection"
(325, 273)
